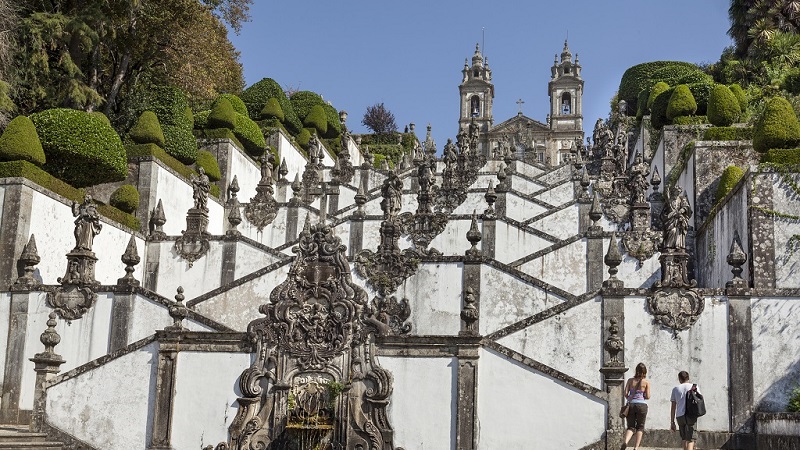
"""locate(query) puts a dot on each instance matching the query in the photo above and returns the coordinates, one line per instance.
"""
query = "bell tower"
(477, 93)
(566, 93)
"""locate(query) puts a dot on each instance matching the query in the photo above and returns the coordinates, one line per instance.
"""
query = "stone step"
(18, 437)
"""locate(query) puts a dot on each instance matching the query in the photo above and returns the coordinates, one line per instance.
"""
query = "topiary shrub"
(209, 163)
(173, 112)
(303, 137)
(81, 149)
(249, 134)
(304, 101)
(723, 108)
(642, 76)
(317, 120)
(794, 400)
(101, 116)
(728, 134)
(740, 95)
(222, 115)
(19, 141)
(237, 103)
(256, 96)
(681, 102)
(782, 156)
(730, 176)
(689, 120)
(180, 143)
(125, 198)
(147, 130)
(201, 120)
(334, 123)
(657, 89)
(777, 127)
(700, 92)
(272, 110)
(641, 104)
(658, 109)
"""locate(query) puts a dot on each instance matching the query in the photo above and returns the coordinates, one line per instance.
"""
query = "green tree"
(379, 119)
(723, 108)
(681, 103)
(777, 127)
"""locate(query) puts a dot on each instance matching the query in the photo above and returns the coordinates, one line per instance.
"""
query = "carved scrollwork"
(641, 244)
(389, 315)
(263, 208)
(676, 308)
(385, 271)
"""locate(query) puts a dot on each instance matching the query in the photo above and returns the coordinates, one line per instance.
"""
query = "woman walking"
(636, 393)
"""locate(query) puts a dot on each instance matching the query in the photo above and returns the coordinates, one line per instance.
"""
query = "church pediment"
(519, 123)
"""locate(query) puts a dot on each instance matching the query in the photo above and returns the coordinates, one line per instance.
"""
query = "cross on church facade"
(520, 102)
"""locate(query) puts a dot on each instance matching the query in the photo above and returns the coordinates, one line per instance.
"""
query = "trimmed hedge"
(236, 103)
(304, 101)
(701, 92)
(201, 119)
(681, 103)
(173, 112)
(19, 141)
(642, 76)
(777, 127)
(180, 142)
(152, 150)
(730, 176)
(657, 89)
(256, 96)
(782, 156)
(24, 169)
(147, 130)
(220, 133)
(303, 137)
(272, 110)
(209, 163)
(334, 124)
(728, 134)
(690, 120)
(723, 107)
(81, 149)
(316, 119)
(658, 110)
(741, 96)
(641, 104)
(222, 115)
(250, 135)
(125, 198)
(101, 116)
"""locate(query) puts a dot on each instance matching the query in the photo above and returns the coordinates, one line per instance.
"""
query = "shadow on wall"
(778, 322)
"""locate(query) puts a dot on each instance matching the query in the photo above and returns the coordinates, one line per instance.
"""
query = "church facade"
(551, 142)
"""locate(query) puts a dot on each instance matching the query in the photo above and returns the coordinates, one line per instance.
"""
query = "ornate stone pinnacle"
(157, 221)
(361, 200)
(595, 213)
(234, 219)
(614, 344)
(474, 236)
(233, 189)
(736, 258)
(491, 197)
(283, 170)
(28, 260)
(130, 258)
(613, 257)
(297, 187)
(50, 337)
(469, 313)
(178, 312)
(655, 179)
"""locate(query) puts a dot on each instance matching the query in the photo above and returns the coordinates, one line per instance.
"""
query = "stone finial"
(283, 170)
(595, 212)
(130, 258)
(655, 181)
(469, 313)
(233, 189)
(360, 199)
(178, 312)
(157, 221)
(50, 337)
(491, 197)
(234, 219)
(585, 182)
(297, 187)
(614, 344)
(613, 259)
(28, 260)
(736, 259)
(474, 236)
(501, 178)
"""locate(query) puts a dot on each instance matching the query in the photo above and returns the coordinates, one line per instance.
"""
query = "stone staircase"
(18, 437)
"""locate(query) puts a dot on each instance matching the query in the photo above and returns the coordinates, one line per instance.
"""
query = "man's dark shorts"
(636, 416)
(686, 426)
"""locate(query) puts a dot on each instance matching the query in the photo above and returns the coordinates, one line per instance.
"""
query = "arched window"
(475, 106)
(566, 103)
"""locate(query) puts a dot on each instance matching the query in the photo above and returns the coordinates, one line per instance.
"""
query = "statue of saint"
(201, 186)
(267, 164)
(450, 152)
(87, 223)
(392, 192)
(675, 217)
(314, 152)
(637, 179)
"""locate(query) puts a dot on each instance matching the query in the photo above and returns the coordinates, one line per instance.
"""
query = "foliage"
(701, 92)
(723, 107)
(249, 134)
(7, 107)
(782, 156)
(689, 120)
(317, 120)
(125, 198)
(209, 163)
(19, 141)
(154, 151)
(391, 152)
(334, 123)
(201, 119)
(24, 169)
(777, 127)
(655, 91)
(303, 137)
(740, 95)
(170, 106)
(379, 119)
(81, 149)
(730, 176)
(681, 102)
(641, 104)
(219, 133)
(236, 103)
(180, 143)
(257, 96)
(794, 400)
(642, 76)
(222, 115)
(272, 110)
(754, 23)
(728, 134)
(658, 110)
(147, 130)
(304, 101)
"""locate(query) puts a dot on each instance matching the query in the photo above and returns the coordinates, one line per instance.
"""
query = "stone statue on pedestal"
(201, 187)
(87, 223)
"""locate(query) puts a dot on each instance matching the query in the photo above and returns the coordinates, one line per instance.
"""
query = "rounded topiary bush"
(237, 103)
(303, 137)
(147, 130)
(723, 108)
(642, 76)
(304, 101)
(777, 127)
(334, 123)
(317, 120)
(125, 198)
(782, 156)
(222, 115)
(740, 94)
(272, 110)
(201, 119)
(657, 89)
(209, 163)
(101, 116)
(641, 104)
(172, 109)
(256, 96)
(81, 149)
(730, 176)
(19, 141)
(681, 102)
(658, 109)
(180, 143)
(249, 134)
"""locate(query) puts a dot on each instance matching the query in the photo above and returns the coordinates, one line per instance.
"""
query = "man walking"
(685, 423)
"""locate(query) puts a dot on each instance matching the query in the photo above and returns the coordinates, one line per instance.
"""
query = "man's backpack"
(695, 405)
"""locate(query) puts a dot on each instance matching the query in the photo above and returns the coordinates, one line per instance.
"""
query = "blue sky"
(409, 54)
